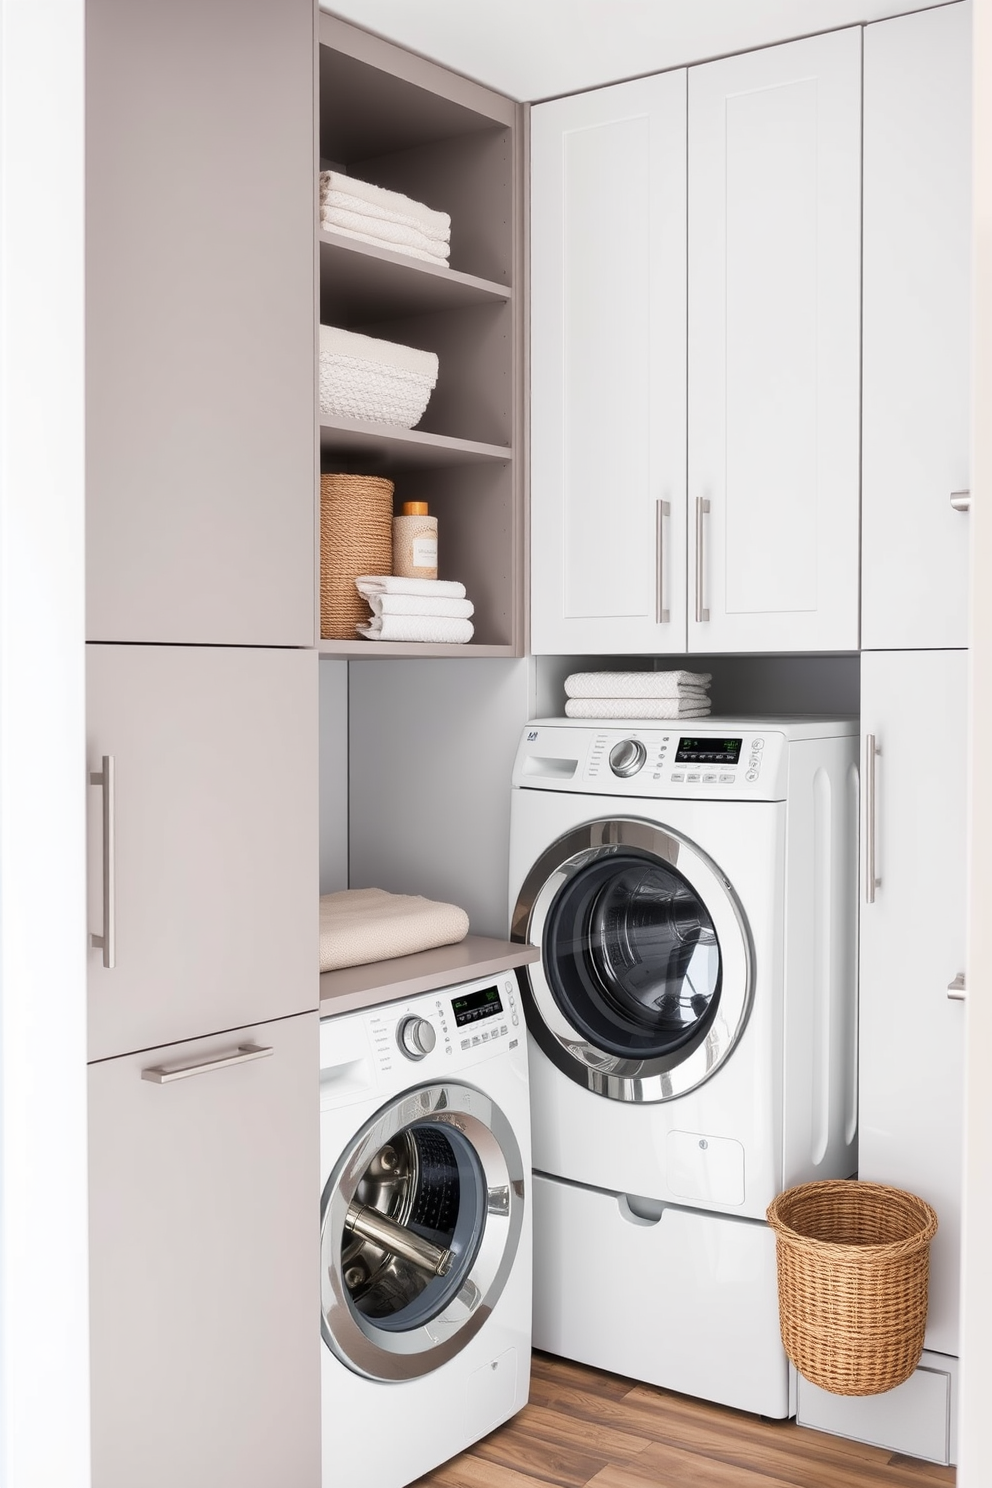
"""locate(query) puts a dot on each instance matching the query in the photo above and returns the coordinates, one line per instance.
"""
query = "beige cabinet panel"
(204, 1263)
(200, 431)
(205, 871)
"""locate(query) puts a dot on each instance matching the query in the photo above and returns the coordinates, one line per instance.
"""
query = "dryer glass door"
(420, 1222)
(647, 967)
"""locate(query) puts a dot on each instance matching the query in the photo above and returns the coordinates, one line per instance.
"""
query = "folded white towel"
(420, 604)
(634, 684)
(382, 353)
(436, 224)
(346, 201)
(417, 628)
(635, 708)
(364, 237)
(362, 925)
(393, 234)
(369, 584)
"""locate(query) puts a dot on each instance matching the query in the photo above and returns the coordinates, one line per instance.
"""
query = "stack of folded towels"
(362, 925)
(415, 609)
(637, 694)
(388, 219)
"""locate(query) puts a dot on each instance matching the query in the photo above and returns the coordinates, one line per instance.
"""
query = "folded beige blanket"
(634, 684)
(362, 925)
(697, 706)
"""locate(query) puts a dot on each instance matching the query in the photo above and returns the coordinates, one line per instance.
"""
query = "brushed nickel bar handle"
(872, 752)
(961, 500)
(663, 510)
(106, 778)
(370, 1224)
(956, 990)
(702, 511)
(165, 1074)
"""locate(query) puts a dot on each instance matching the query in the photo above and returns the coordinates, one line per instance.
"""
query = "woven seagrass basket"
(853, 1268)
(356, 537)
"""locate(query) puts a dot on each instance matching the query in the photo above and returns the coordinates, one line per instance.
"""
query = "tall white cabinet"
(695, 418)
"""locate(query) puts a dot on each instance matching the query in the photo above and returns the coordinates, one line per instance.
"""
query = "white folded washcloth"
(635, 684)
(390, 234)
(636, 708)
(369, 584)
(383, 353)
(362, 925)
(408, 252)
(417, 628)
(393, 204)
(420, 604)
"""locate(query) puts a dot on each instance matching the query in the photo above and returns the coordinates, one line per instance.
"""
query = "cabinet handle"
(872, 752)
(961, 500)
(956, 990)
(663, 511)
(107, 941)
(702, 510)
(164, 1074)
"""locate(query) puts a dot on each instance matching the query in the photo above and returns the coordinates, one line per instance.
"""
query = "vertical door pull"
(165, 1074)
(702, 511)
(956, 990)
(107, 940)
(872, 752)
(961, 500)
(663, 511)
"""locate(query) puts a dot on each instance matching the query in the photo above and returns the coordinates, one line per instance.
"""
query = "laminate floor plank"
(545, 1459)
(590, 1436)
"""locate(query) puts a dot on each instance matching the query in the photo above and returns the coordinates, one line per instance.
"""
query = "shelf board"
(425, 971)
(382, 446)
(361, 650)
(360, 283)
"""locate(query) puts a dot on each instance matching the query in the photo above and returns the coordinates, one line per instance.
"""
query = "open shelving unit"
(406, 124)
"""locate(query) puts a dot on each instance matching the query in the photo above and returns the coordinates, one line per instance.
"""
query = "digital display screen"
(484, 1004)
(709, 751)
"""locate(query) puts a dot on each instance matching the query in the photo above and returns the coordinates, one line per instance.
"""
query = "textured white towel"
(420, 604)
(364, 237)
(362, 377)
(635, 708)
(344, 201)
(369, 584)
(436, 224)
(395, 234)
(417, 628)
(634, 684)
(362, 925)
(382, 353)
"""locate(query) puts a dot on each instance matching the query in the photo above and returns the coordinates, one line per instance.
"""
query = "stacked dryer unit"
(692, 1030)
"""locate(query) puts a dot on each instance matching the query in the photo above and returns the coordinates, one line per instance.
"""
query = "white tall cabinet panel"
(774, 285)
(917, 308)
(608, 369)
(913, 947)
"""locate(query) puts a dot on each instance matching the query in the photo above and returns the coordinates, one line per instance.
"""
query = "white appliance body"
(425, 1124)
(692, 1029)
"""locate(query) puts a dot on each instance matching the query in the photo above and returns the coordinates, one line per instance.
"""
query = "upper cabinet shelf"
(359, 282)
(383, 449)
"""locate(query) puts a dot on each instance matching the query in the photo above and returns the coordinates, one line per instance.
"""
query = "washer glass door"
(420, 1222)
(647, 968)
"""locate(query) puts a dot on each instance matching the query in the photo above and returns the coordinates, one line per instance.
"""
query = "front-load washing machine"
(425, 1239)
(692, 1029)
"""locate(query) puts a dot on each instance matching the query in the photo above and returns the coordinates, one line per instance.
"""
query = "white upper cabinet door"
(203, 845)
(608, 297)
(200, 361)
(774, 347)
(911, 1034)
(917, 310)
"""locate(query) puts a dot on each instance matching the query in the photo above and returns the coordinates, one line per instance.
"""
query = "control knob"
(416, 1037)
(627, 757)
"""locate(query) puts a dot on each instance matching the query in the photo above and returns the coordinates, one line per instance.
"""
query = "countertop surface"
(354, 987)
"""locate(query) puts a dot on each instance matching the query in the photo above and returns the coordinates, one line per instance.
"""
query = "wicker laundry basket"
(853, 1267)
(356, 537)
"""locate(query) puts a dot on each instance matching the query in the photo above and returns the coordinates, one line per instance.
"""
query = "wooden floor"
(583, 1428)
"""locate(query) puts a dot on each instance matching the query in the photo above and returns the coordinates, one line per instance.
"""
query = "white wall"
(44, 1344)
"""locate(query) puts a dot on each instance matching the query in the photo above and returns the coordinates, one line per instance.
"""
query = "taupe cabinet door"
(203, 847)
(204, 1263)
(200, 430)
